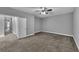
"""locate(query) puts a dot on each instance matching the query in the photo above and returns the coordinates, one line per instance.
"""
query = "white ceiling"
(57, 10)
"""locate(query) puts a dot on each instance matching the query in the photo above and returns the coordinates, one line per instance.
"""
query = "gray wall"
(30, 25)
(37, 24)
(76, 26)
(1, 25)
(60, 24)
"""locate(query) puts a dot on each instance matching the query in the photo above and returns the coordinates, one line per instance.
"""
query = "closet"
(23, 27)
(19, 26)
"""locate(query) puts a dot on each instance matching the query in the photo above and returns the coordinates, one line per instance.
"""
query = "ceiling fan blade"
(49, 10)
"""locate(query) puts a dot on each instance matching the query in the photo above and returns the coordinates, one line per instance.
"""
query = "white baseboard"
(59, 33)
(13, 32)
(33, 33)
(76, 42)
(2, 35)
(30, 35)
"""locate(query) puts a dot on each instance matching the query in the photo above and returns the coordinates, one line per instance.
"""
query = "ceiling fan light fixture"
(44, 10)
(43, 13)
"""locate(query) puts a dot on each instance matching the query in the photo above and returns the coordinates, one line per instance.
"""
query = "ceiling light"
(44, 10)
(43, 13)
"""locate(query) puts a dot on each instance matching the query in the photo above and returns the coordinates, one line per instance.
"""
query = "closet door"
(22, 27)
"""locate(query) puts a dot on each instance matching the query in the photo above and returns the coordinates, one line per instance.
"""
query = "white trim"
(75, 39)
(30, 35)
(58, 33)
(2, 35)
(14, 32)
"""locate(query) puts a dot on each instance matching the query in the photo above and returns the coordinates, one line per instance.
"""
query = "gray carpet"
(42, 42)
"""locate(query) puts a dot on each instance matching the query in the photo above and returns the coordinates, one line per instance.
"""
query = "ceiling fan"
(44, 10)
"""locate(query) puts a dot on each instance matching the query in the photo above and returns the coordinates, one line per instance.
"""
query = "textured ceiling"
(57, 10)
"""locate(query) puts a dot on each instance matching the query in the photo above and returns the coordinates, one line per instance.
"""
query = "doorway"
(7, 25)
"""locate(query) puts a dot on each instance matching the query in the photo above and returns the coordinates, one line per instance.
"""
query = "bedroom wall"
(30, 25)
(37, 24)
(1, 26)
(76, 26)
(60, 24)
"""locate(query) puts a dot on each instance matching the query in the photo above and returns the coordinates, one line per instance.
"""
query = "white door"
(22, 27)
